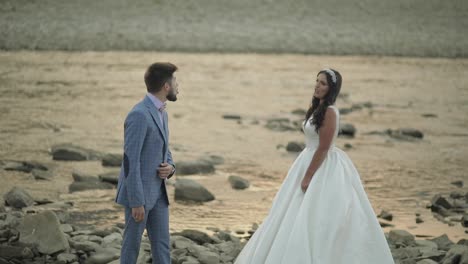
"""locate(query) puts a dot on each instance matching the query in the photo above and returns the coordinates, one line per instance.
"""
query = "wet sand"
(83, 97)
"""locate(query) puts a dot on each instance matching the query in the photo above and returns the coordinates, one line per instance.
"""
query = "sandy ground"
(82, 98)
(422, 28)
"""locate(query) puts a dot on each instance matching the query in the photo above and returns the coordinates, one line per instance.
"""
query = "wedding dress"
(332, 223)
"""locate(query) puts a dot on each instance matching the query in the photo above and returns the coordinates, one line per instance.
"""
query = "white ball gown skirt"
(332, 223)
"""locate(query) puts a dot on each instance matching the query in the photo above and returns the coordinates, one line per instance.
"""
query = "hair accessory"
(332, 74)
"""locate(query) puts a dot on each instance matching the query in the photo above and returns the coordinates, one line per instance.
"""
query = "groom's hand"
(138, 213)
(164, 170)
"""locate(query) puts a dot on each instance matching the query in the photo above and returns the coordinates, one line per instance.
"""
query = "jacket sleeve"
(134, 135)
(170, 161)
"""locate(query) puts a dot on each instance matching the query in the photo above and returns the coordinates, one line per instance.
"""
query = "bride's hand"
(305, 183)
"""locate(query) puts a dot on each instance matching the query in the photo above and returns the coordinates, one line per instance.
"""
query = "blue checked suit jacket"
(146, 146)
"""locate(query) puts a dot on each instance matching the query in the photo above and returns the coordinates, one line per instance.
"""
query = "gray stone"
(431, 253)
(2, 205)
(17, 252)
(41, 174)
(429, 115)
(295, 146)
(347, 129)
(181, 242)
(459, 184)
(188, 260)
(426, 244)
(104, 256)
(86, 246)
(457, 195)
(458, 254)
(232, 116)
(438, 200)
(345, 110)
(194, 167)
(70, 152)
(190, 190)
(43, 230)
(66, 228)
(110, 177)
(196, 236)
(230, 250)
(96, 239)
(401, 237)
(299, 111)
(386, 215)
(207, 257)
(464, 220)
(411, 132)
(84, 182)
(103, 232)
(213, 159)
(280, 125)
(179, 252)
(443, 242)
(238, 183)
(112, 240)
(84, 186)
(67, 257)
(79, 176)
(426, 261)
(18, 198)
(112, 160)
(406, 253)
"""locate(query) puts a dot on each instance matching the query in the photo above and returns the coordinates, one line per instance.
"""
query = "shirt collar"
(157, 103)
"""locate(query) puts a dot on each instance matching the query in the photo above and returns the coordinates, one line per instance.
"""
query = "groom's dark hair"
(158, 74)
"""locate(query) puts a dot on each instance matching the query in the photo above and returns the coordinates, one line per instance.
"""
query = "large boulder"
(195, 167)
(190, 190)
(44, 231)
(18, 198)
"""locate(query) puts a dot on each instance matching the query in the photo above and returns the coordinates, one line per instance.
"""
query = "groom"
(147, 163)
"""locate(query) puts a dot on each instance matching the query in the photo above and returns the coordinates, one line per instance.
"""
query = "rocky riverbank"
(38, 232)
(61, 116)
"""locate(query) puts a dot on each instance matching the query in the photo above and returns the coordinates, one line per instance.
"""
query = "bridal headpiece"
(332, 74)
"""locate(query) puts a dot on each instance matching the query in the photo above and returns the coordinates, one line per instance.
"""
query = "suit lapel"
(153, 111)
(166, 128)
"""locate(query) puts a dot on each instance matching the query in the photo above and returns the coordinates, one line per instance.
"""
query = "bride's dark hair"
(317, 110)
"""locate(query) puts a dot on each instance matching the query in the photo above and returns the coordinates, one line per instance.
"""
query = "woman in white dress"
(321, 213)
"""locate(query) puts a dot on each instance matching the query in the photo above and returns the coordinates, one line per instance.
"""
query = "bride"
(321, 213)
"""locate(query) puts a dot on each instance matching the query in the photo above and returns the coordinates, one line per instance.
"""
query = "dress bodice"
(312, 137)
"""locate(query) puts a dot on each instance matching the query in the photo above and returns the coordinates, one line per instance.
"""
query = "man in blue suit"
(146, 165)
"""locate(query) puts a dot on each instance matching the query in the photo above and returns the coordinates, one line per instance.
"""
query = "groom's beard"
(172, 96)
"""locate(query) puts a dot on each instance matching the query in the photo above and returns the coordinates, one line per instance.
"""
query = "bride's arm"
(326, 133)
